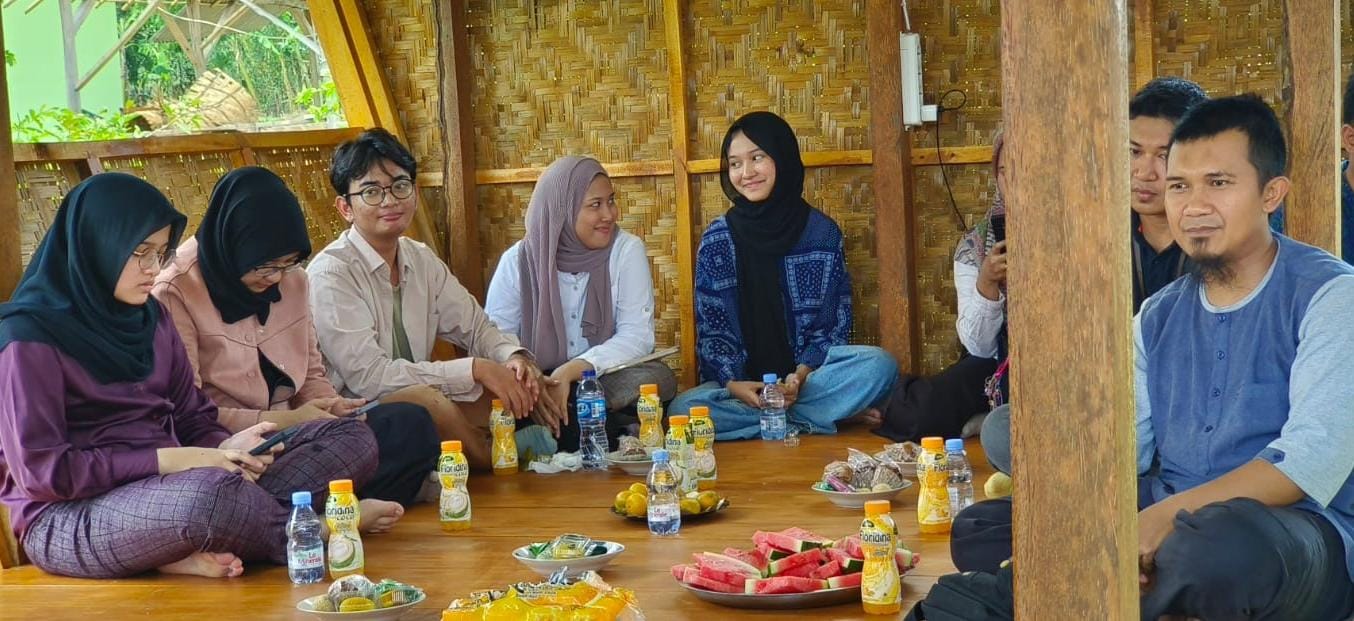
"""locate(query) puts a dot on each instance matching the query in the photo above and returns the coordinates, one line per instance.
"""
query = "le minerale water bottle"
(592, 422)
(773, 409)
(305, 547)
(961, 476)
(665, 511)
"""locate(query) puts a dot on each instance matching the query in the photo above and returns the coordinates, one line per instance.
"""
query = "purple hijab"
(551, 245)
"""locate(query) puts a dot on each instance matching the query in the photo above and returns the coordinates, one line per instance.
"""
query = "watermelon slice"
(775, 540)
(812, 557)
(845, 580)
(801, 571)
(805, 540)
(721, 574)
(788, 584)
(724, 569)
(680, 570)
(849, 564)
(850, 545)
(753, 557)
(710, 585)
(832, 568)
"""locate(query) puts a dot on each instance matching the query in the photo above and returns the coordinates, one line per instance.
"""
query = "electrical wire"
(941, 109)
(907, 20)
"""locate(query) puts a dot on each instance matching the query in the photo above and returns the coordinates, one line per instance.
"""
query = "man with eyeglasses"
(380, 302)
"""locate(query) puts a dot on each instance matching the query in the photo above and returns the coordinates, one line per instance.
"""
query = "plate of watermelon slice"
(790, 569)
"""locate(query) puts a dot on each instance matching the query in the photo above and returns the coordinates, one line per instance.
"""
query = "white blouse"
(980, 319)
(631, 298)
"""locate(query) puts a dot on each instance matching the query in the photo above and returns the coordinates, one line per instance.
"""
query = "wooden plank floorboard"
(767, 485)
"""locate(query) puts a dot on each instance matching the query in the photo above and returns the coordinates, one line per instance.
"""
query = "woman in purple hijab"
(578, 293)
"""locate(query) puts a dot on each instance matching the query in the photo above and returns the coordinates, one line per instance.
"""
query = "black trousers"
(409, 449)
(1227, 561)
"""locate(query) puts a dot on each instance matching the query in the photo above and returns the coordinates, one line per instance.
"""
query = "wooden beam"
(163, 145)
(950, 156)
(363, 88)
(134, 28)
(895, 215)
(171, 20)
(1312, 210)
(284, 26)
(11, 263)
(1069, 309)
(1144, 48)
(456, 79)
(225, 25)
(68, 32)
(673, 14)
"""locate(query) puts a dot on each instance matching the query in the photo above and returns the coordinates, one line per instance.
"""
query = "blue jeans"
(852, 378)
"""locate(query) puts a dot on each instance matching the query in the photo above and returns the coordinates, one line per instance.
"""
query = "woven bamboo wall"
(42, 185)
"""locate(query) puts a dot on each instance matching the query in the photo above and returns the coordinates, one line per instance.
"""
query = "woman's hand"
(794, 382)
(342, 407)
(313, 410)
(181, 458)
(747, 392)
(992, 274)
(552, 409)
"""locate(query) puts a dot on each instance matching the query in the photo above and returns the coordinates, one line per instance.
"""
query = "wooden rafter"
(456, 77)
(1313, 207)
(112, 52)
(686, 216)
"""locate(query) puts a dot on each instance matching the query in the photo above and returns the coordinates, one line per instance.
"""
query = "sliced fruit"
(788, 584)
(753, 557)
(828, 570)
(722, 573)
(711, 585)
(679, 570)
(845, 580)
(775, 540)
(725, 563)
(850, 545)
(849, 564)
(805, 540)
(811, 557)
(800, 571)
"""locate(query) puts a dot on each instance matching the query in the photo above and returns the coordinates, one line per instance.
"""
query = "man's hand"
(745, 392)
(526, 372)
(1155, 523)
(992, 273)
(552, 409)
(502, 382)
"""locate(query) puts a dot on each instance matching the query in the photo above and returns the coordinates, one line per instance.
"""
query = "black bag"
(972, 596)
(938, 405)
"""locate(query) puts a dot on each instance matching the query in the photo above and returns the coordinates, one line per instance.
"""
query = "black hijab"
(65, 298)
(251, 218)
(763, 232)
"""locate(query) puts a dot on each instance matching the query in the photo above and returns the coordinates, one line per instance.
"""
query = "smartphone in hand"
(366, 407)
(281, 436)
(999, 228)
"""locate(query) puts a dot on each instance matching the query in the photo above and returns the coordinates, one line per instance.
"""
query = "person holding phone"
(112, 461)
(577, 292)
(240, 302)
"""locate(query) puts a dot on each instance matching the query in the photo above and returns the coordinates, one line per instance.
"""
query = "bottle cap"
(954, 445)
(660, 455)
(451, 446)
(933, 443)
(341, 486)
(769, 378)
(678, 420)
(590, 374)
(648, 389)
(300, 498)
(699, 411)
(876, 507)
(497, 404)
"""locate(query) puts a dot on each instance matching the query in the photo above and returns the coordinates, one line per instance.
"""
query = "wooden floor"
(767, 485)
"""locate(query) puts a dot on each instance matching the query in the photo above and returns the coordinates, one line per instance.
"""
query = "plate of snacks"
(588, 597)
(575, 554)
(355, 598)
(632, 503)
(631, 456)
(862, 478)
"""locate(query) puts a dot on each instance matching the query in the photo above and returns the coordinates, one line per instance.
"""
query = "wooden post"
(1313, 206)
(363, 88)
(681, 181)
(68, 32)
(458, 146)
(1069, 311)
(895, 211)
(1144, 49)
(11, 260)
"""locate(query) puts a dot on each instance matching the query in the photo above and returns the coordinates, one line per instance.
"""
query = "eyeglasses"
(268, 271)
(145, 259)
(374, 195)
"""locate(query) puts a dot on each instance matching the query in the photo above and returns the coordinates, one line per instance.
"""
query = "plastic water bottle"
(305, 547)
(773, 409)
(592, 422)
(665, 510)
(961, 476)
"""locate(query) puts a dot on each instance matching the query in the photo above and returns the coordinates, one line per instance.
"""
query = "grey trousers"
(622, 387)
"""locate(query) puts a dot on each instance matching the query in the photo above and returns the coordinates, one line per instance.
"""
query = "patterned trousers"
(162, 519)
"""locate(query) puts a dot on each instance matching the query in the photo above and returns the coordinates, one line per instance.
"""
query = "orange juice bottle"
(345, 543)
(650, 411)
(702, 448)
(880, 584)
(933, 495)
(452, 472)
(678, 445)
(504, 450)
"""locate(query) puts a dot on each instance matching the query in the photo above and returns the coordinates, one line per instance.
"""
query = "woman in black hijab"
(112, 461)
(773, 297)
(241, 303)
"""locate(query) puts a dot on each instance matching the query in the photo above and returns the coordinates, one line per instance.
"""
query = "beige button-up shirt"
(352, 301)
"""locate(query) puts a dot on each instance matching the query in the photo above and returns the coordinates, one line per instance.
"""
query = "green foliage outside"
(9, 58)
(53, 124)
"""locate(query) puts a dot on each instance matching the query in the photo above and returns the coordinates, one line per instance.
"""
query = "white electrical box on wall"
(909, 47)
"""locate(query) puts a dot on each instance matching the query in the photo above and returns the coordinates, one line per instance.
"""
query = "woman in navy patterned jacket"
(773, 297)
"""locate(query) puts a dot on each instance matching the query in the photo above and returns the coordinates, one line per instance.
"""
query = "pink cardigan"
(225, 356)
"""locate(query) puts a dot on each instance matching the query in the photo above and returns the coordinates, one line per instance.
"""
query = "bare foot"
(870, 417)
(378, 516)
(209, 564)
